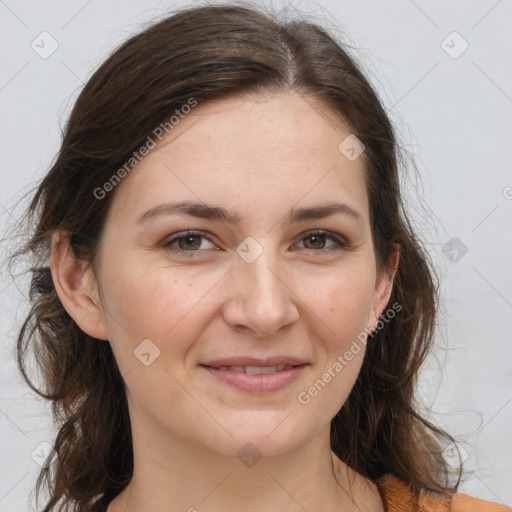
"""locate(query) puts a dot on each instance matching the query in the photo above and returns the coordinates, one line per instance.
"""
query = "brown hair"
(207, 53)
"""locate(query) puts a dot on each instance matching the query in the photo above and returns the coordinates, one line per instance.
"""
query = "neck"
(181, 476)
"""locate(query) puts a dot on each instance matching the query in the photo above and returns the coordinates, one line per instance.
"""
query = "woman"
(230, 307)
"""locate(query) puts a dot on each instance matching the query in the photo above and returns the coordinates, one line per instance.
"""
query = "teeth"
(256, 370)
(272, 369)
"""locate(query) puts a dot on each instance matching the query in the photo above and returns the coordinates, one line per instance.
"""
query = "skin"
(260, 158)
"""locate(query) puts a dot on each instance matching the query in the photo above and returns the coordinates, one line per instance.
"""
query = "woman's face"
(263, 287)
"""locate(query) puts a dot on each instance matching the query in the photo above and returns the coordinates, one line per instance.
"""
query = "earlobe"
(76, 287)
(384, 287)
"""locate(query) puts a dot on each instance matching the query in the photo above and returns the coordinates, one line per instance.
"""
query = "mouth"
(256, 379)
(254, 370)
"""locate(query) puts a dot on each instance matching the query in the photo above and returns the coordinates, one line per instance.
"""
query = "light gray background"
(454, 118)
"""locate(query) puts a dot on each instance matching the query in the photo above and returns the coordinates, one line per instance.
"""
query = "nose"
(260, 300)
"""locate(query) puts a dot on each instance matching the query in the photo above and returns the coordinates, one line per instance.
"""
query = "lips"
(256, 375)
(246, 361)
(256, 370)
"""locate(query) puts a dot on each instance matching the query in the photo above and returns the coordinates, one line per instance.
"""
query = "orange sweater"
(398, 498)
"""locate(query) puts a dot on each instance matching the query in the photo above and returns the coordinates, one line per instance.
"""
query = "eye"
(188, 243)
(317, 240)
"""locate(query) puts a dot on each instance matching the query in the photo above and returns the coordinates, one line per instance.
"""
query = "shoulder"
(397, 497)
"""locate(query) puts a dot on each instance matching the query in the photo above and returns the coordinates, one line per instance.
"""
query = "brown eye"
(189, 242)
(318, 241)
(315, 241)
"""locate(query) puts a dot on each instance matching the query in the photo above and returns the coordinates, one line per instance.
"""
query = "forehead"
(285, 146)
(285, 122)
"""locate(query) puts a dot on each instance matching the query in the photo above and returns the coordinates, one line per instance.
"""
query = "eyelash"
(341, 245)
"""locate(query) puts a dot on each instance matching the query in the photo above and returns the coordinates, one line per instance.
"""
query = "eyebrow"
(212, 212)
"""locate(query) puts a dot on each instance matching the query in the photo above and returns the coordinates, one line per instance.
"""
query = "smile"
(256, 379)
(256, 370)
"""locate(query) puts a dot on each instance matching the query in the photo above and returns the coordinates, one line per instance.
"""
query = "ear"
(384, 287)
(76, 287)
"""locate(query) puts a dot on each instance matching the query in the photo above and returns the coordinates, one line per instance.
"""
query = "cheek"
(165, 304)
(342, 300)
(342, 304)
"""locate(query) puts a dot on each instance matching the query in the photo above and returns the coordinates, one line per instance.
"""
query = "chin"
(270, 433)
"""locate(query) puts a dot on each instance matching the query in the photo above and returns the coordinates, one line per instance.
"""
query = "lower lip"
(260, 383)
